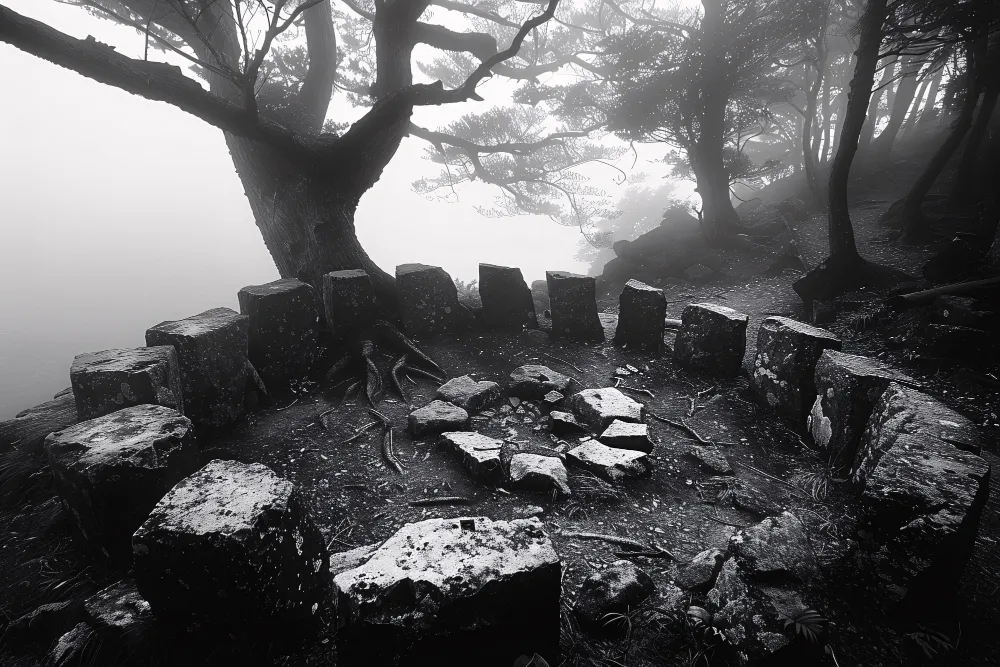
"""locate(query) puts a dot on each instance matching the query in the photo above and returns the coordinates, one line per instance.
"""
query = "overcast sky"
(117, 213)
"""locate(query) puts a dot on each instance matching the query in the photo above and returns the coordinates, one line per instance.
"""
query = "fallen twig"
(636, 390)
(726, 523)
(775, 479)
(443, 500)
(287, 406)
(361, 431)
(387, 453)
(703, 392)
(682, 426)
(621, 541)
(561, 361)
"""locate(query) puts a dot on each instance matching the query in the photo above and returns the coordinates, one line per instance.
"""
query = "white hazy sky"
(117, 213)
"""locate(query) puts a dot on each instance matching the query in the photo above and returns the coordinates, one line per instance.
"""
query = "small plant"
(811, 626)
(933, 642)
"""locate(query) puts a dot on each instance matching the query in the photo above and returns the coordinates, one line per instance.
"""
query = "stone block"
(538, 472)
(104, 382)
(232, 546)
(469, 394)
(712, 339)
(507, 301)
(600, 407)
(212, 355)
(534, 382)
(111, 471)
(783, 371)
(428, 300)
(437, 417)
(573, 302)
(480, 454)
(609, 463)
(349, 302)
(641, 313)
(617, 590)
(283, 329)
(627, 435)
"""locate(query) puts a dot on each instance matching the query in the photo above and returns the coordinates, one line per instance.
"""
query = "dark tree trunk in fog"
(968, 178)
(873, 113)
(914, 114)
(882, 146)
(930, 105)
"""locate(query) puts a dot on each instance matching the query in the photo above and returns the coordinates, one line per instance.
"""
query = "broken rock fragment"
(538, 472)
(534, 382)
(232, 546)
(429, 300)
(468, 590)
(642, 310)
(600, 407)
(563, 423)
(111, 471)
(480, 454)
(469, 394)
(437, 417)
(507, 301)
(700, 572)
(283, 328)
(114, 379)
(711, 457)
(777, 546)
(607, 595)
(609, 463)
(627, 435)
(712, 339)
(574, 307)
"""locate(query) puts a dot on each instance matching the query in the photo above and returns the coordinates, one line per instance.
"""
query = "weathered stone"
(29, 428)
(538, 473)
(944, 341)
(429, 300)
(552, 399)
(609, 463)
(114, 379)
(641, 313)
(600, 407)
(777, 546)
(961, 312)
(352, 558)
(111, 471)
(212, 355)
(69, 650)
(754, 500)
(711, 457)
(700, 572)
(349, 302)
(459, 591)
(847, 388)
(534, 382)
(783, 368)
(611, 593)
(574, 307)
(563, 423)
(923, 492)
(480, 454)
(118, 609)
(712, 338)
(627, 435)
(507, 301)
(283, 328)
(437, 417)
(43, 625)
(468, 394)
(232, 545)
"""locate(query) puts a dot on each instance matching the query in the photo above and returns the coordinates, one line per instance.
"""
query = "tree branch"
(474, 11)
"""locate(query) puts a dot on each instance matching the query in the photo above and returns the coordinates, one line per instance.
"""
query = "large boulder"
(349, 301)
(212, 355)
(232, 546)
(114, 379)
(573, 301)
(437, 417)
(480, 454)
(29, 428)
(712, 339)
(283, 329)
(641, 313)
(847, 388)
(609, 463)
(507, 301)
(600, 407)
(456, 591)
(469, 394)
(923, 489)
(428, 300)
(777, 547)
(606, 596)
(111, 471)
(534, 382)
(785, 363)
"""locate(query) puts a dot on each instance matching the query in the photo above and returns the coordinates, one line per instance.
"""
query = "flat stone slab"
(467, 590)
(711, 457)
(642, 310)
(111, 471)
(785, 363)
(573, 303)
(537, 472)
(562, 423)
(534, 382)
(212, 355)
(609, 463)
(712, 339)
(480, 454)
(507, 301)
(428, 300)
(923, 492)
(232, 546)
(600, 407)
(847, 388)
(627, 435)
(349, 301)
(437, 417)
(114, 379)
(283, 329)
(617, 590)
(469, 394)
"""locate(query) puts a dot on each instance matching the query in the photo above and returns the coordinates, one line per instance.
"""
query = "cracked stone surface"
(114, 379)
(437, 417)
(712, 339)
(609, 463)
(600, 407)
(469, 394)
(480, 454)
(627, 435)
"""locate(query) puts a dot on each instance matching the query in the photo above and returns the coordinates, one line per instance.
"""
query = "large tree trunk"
(914, 114)
(968, 179)
(872, 115)
(882, 146)
(930, 105)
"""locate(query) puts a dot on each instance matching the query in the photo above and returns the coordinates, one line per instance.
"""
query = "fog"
(117, 213)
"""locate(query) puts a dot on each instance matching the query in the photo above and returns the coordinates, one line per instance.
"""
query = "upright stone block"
(785, 363)
(349, 301)
(232, 546)
(574, 307)
(283, 327)
(111, 471)
(507, 301)
(712, 339)
(847, 388)
(104, 382)
(212, 354)
(428, 300)
(642, 310)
